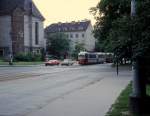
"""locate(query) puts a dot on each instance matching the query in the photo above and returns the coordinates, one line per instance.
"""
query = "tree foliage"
(141, 29)
(117, 32)
(78, 48)
(58, 44)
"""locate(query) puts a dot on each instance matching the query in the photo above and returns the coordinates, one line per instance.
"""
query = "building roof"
(68, 27)
(7, 7)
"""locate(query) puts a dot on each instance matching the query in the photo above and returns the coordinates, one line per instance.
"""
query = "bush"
(1, 59)
(28, 57)
(37, 57)
(51, 57)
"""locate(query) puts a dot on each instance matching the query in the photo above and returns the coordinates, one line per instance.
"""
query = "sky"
(65, 10)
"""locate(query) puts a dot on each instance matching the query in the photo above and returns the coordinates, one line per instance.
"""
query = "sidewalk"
(94, 100)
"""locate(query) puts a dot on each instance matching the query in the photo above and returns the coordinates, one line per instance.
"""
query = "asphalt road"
(60, 90)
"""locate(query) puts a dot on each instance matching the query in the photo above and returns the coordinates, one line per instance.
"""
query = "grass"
(21, 63)
(2, 62)
(121, 106)
(148, 90)
(27, 63)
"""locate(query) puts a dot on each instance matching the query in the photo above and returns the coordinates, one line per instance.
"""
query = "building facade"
(77, 32)
(21, 27)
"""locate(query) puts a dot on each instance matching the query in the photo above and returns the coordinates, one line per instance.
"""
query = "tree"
(58, 44)
(78, 47)
(106, 12)
(141, 29)
(114, 27)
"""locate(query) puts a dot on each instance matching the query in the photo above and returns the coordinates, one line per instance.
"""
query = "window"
(71, 35)
(38, 51)
(72, 28)
(1, 52)
(77, 35)
(83, 35)
(92, 55)
(80, 28)
(65, 28)
(59, 29)
(36, 33)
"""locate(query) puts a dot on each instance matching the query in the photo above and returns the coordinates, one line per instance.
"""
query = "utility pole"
(139, 101)
(134, 108)
(135, 85)
(133, 8)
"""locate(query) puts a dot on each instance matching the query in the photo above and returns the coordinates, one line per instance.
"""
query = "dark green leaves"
(58, 44)
(116, 30)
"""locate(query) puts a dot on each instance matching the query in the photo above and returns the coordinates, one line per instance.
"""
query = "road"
(60, 90)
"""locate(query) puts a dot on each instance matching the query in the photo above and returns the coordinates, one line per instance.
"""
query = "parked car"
(52, 62)
(67, 62)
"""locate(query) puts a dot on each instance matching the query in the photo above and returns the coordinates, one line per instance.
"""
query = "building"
(21, 27)
(77, 32)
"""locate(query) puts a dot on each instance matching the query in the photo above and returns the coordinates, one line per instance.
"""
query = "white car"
(67, 62)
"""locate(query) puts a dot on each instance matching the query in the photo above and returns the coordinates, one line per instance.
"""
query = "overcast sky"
(65, 10)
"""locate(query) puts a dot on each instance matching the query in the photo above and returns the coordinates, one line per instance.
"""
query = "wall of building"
(5, 31)
(90, 40)
(42, 40)
(41, 33)
(74, 40)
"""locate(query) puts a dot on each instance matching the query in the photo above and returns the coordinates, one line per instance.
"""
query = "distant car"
(67, 62)
(52, 62)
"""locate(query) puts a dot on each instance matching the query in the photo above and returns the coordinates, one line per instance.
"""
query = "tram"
(94, 58)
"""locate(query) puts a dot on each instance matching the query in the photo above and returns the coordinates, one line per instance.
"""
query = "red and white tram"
(94, 57)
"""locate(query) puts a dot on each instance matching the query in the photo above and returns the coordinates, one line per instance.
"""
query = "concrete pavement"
(60, 91)
(94, 100)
